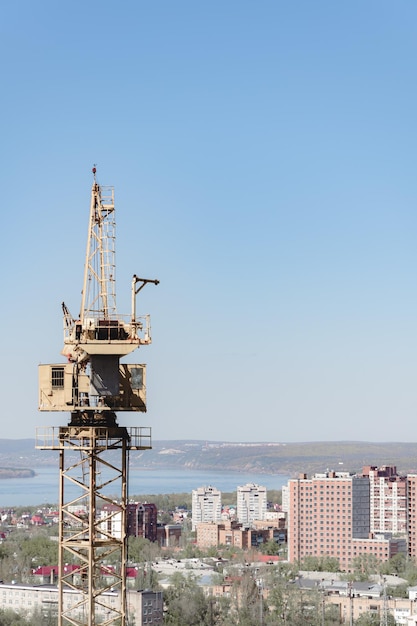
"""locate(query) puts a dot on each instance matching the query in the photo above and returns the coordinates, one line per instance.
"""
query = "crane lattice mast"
(93, 449)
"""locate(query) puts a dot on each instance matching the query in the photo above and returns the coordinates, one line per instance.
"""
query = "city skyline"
(263, 159)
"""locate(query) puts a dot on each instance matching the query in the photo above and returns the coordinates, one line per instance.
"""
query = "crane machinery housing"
(93, 385)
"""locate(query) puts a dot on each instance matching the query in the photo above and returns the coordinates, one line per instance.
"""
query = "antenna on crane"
(93, 385)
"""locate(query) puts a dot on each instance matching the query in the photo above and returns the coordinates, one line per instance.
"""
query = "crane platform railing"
(63, 437)
(113, 328)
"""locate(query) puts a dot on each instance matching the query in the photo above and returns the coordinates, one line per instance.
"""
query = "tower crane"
(93, 385)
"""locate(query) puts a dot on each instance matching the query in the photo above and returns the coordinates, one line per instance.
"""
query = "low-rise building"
(169, 535)
(230, 533)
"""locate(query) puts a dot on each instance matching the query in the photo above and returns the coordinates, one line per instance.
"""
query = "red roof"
(266, 558)
(45, 570)
(68, 569)
(131, 572)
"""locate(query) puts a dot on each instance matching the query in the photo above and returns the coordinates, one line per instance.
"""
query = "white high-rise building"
(207, 505)
(388, 496)
(285, 498)
(251, 503)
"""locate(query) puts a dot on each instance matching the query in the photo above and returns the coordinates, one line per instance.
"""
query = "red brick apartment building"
(142, 520)
(329, 515)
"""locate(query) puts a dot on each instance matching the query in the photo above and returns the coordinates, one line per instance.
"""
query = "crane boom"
(99, 285)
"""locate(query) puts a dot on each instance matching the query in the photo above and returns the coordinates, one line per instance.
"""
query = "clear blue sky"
(264, 158)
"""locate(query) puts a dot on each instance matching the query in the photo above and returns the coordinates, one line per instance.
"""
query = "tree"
(22, 552)
(10, 618)
(410, 573)
(141, 550)
(38, 616)
(271, 547)
(39, 550)
(396, 565)
(278, 599)
(373, 619)
(330, 564)
(321, 564)
(246, 595)
(364, 566)
(186, 603)
(165, 517)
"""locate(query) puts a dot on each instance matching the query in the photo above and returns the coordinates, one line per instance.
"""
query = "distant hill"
(263, 458)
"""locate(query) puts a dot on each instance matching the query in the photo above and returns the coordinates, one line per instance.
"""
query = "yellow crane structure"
(93, 385)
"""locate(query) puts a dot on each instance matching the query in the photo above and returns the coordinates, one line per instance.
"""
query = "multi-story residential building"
(412, 515)
(388, 499)
(207, 534)
(329, 515)
(251, 503)
(320, 517)
(141, 520)
(278, 525)
(206, 505)
(231, 533)
(143, 607)
(285, 494)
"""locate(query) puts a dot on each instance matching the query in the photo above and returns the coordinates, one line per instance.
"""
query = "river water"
(43, 488)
